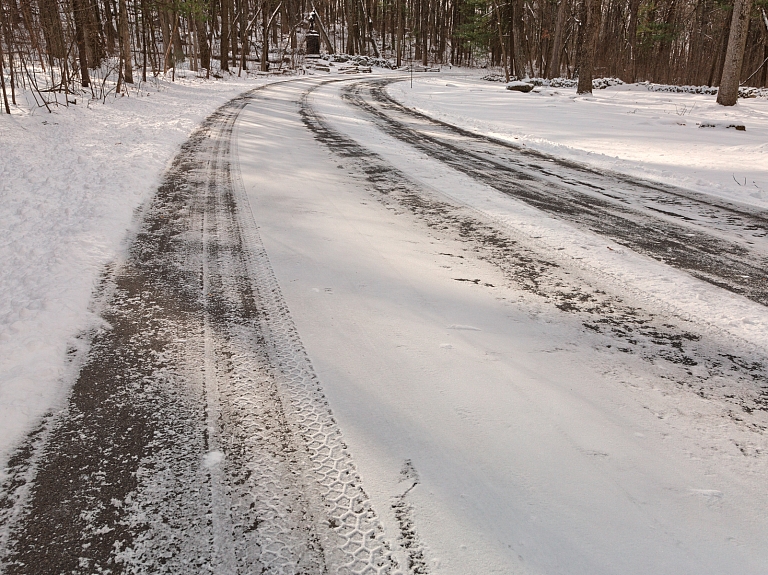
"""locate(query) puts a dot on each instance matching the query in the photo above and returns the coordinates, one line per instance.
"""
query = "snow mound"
(601, 83)
(744, 91)
(597, 83)
(368, 61)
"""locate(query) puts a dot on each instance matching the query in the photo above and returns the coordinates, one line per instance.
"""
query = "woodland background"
(55, 47)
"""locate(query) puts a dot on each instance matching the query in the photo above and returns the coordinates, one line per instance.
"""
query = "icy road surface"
(349, 339)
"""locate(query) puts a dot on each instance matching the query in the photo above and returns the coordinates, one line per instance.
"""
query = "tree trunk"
(178, 49)
(224, 40)
(244, 48)
(517, 33)
(2, 77)
(631, 72)
(264, 36)
(93, 36)
(553, 65)
(424, 30)
(234, 32)
(324, 36)
(734, 55)
(369, 25)
(152, 42)
(765, 50)
(587, 45)
(143, 42)
(125, 42)
(393, 4)
(716, 73)
(202, 45)
(400, 33)
(165, 29)
(80, 31)
(52, 29)
(109, 28)
(501, 40)
(765, 66)
(351, 26)
(663, 60)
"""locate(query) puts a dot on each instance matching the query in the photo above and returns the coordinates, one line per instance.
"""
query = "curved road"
(714, 240)
(318, 358)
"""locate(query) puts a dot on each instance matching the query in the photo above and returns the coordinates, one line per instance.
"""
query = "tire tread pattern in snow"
(197, 437)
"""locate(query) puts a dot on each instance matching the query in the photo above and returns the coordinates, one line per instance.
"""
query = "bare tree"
(224, 40)
(710, 42)
(264, 36)
(553, 64)
(125, 42)
(2, 75)
(80, 38)
(734, 55)
(501, 41)
(590, 13)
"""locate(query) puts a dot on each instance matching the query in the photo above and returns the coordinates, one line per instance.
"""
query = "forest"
(59, 47)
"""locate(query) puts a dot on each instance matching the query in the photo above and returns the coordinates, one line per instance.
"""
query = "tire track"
(197, 437)
(689, 358)
(712, 240)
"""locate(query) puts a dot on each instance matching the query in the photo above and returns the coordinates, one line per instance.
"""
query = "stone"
(518, 86)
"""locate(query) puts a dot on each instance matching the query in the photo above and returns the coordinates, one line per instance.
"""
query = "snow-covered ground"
(493, 434)
(492, 431)
(652, 282)
(70, 182)
(629, 129)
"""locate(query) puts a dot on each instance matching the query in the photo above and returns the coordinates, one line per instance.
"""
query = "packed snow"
(676, 138)
(650, 280)
(484, 421)
(70, 184)
(492, 434)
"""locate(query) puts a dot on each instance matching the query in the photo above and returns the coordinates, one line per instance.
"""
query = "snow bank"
(602, 83)
(627, 128)
(744, 91)
(597, 83)
(70, 182)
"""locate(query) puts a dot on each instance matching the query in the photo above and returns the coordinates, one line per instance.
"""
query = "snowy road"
(506, 394)
(718, 241)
